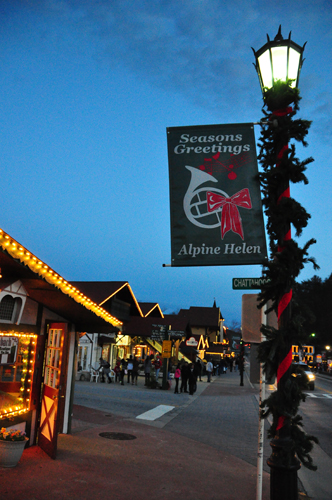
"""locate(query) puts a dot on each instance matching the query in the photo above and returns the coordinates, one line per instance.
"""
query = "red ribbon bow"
(230, 216)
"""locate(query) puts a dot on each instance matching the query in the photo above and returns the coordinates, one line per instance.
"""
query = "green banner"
(215, 201)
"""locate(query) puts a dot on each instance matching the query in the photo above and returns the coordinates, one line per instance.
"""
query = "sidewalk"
(156, 464)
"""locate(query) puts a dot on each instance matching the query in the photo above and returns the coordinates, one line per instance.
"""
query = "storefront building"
(118, 299)
(41, 317)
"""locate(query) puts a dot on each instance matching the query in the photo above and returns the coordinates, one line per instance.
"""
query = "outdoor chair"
(112, 375)
(94, 375)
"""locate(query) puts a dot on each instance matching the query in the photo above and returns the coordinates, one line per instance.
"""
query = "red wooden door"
(53, 388)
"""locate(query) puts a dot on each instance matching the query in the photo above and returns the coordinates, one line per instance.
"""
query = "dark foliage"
(279, 129)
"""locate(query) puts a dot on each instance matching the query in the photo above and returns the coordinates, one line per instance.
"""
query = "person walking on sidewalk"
(135, 371)
(123, 365)
(147, 369)
(209, 370)
(130, 367)
(177, 376)
(192, 379)
(198, 369)
(105, 369)
(117, 371)
(157, 365)
(184, 377)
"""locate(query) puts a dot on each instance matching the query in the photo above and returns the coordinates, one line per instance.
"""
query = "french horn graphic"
(208, 207)
(195, 201)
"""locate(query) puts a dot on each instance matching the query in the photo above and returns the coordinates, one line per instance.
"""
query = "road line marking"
(156, 412)
(318, 396)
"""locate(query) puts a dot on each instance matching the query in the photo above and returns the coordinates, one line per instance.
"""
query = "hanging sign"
(215, 200)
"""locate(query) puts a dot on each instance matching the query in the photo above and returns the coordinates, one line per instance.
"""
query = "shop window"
(17, 357)
(82, 358)
(10, 308)
(7, 308)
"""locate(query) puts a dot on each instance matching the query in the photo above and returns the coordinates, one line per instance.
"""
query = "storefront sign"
(215, 201)
(192, 342)
(8, 349)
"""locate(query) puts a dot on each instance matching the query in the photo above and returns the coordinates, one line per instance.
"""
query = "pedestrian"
(135, 371)
(177, 376)
(231, 361)
(192, 379)
(147, 369)
(117, 371)
(105, 369)
(236, 363)
(222, 366)
(198, 370)
(184, 377)
(130, 367)
(123, 365)
(209, 370)
(157, 365)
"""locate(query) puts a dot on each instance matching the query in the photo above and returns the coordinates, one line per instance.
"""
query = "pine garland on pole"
(280, 167)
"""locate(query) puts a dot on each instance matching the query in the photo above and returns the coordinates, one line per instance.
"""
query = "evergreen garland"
(278, 128)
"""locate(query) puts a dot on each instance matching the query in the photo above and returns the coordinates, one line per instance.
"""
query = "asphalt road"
(316, 412)
(317, 420)
(222, 415)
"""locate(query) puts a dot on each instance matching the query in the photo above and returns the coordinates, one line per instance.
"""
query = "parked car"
(303, 374)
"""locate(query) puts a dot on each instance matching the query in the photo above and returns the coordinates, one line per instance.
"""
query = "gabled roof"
(103, 291)
(50, 289)
(202, 316)
(151, 309)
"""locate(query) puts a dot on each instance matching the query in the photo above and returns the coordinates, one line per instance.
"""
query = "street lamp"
(279, 60)
(278, 65)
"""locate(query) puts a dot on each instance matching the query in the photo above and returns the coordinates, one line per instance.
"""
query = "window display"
(17, 358)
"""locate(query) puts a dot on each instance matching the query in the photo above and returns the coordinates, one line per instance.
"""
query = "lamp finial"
(278, 36)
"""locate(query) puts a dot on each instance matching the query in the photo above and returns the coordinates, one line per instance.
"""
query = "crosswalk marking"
(156, 412)
(319, 396)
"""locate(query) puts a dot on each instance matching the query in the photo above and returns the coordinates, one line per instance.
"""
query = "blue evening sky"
(88, 89)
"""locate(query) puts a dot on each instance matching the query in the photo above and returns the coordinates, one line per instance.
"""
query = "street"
(224, 416)
(219, 416)
(317, 419)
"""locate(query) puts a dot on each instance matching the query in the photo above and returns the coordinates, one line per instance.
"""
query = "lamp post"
(278, 65)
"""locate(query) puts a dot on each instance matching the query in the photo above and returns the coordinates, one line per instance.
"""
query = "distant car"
(303, 374)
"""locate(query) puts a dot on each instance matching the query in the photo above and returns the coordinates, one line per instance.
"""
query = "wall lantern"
(279, 60)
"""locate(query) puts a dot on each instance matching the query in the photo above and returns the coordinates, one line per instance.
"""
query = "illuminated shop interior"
(17, 361)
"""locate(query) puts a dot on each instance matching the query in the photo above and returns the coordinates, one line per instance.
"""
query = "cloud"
(199, 48)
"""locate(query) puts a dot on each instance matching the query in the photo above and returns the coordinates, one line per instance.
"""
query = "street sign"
(248, 283)
(159, 332)
(176, 334)
(167, 349)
